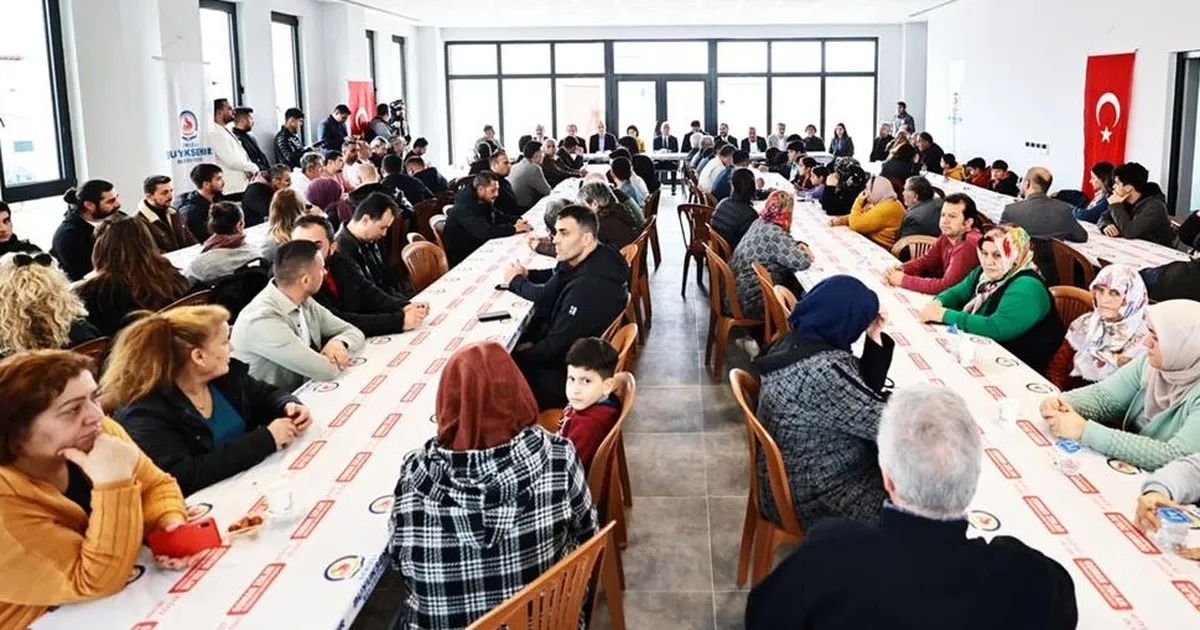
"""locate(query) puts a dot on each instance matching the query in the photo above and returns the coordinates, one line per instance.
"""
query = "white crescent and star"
(1108, 98)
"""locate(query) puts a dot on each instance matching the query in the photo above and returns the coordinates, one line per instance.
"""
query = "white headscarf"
(1177, 326)
(1103, 346)
(881, 190)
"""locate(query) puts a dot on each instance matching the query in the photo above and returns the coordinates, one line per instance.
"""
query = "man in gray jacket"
(924, 214)
(1042, 216)
(527, 178)
(284, 335)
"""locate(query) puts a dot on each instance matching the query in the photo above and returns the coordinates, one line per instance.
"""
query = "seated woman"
(1005, 299)
(953, 255)
(78, 498)
(506, 496)
(843, 187)
(325, 194)
(769, 242)
(286, 207)
(821, 404)
(621, 174)
(1107, 338)
(903, 162)
(226, 250)
(194, 410)
(735, 214)
(876, 214)
(618, 226)
(815, 189)
(1101, 179)
(131, 275)
(38, 311)
(1148, 412)
(643, 167)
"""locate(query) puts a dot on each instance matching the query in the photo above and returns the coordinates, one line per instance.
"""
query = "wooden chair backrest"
(720, 281)
(554, 600)
(426, 263)
(611, 331)
(651, 208)
(786, 297)
(917, 246)
(395, 242)
(415, 237)
(774, 316)
(422, 212)
(198, 298)
(445, 197)
(437, 225)
(623, 341)
(1067, 260)
(697, 216)
(96, 349)
(1071, 302)
(604, 464)
(746, 390)
(724, 250)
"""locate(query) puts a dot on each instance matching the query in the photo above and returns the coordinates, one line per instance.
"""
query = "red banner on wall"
(362, 106)
(1107, 94)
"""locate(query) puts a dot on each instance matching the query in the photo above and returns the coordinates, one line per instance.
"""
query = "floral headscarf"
(1103, 346)
(1016, 254)
(778, 209)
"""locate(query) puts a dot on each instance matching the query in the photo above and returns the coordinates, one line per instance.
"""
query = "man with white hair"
(916, 568)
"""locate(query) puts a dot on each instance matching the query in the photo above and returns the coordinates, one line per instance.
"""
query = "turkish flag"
(1106, 100)
(362, 106)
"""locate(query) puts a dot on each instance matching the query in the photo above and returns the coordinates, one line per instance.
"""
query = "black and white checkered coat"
(471, 528)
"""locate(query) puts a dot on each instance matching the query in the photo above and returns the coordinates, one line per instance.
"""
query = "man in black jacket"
(754, 143)
(332, 131)
(87, 206)
(568, 159)
(350, 295)
(193, 206)
(288, 147)
(601, 141)
(428, 175)
(474, 219)
(243, 124)
(916, 567)
(9, 243)
(579, 298)
(879, 148)
(506, 201)
(1137, 208)
(931, 153)
(664, 141)
(395, 178)
(361, 241)
(256, 201)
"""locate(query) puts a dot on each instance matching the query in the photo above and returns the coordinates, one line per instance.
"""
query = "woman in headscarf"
(1107, 338)
(769, 242)
(1004, 299)
(876, 214)
(820, 403)
(843, 186)
(1148, 412)
(493, 495)
(325, 193)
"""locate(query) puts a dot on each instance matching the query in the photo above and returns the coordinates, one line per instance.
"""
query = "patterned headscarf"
(778, 209)
(851, 175)
(1103, 346)
(1016, 255)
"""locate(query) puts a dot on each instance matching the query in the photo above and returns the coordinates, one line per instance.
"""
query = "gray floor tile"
(665, 367)
(726, 518)
(666, 410)
(668, 545)
(731, 609)
(721, 410)
(663, 611)
(726, 461)
(666, 464)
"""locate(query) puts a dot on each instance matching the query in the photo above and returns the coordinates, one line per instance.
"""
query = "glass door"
(637, 104)
(648, 101)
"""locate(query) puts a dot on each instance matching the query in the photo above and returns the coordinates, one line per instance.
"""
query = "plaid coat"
(471, 528)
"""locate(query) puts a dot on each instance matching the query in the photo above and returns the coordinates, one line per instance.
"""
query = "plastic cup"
(1008, 409)
(1173, 531)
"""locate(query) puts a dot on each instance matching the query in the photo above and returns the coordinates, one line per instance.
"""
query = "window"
(850, 101)
(219, 48)
(742, 103)
(580, 102)
(36, 158)
(660, 57)
(579, 58)
(850, 56)
(527, 104)
(796, 56)
(1184, 183)
(525, 59)
(473, 104)
(795, 101)
(741, 57)
(472, 59)
(399, 62)
(285, 59)
(371, 61)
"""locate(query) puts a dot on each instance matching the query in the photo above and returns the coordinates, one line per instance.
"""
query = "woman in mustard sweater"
(76, 496)
(876, 214)
(1004, 299)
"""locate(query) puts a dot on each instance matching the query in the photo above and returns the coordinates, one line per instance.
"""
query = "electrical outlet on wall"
(1037, 148)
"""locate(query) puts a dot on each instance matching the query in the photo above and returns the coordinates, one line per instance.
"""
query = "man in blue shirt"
(723, 184)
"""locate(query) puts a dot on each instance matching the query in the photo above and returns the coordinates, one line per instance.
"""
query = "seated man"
(1003, 181)
(555, 173)
(163, 221)
(568, 158)
(506, 198)
(426, 174)
(527, 178)
(929, 455)
(193, 206)
(1041, 216)
(256, 201)
(284, 335)
(87, 207)
(9, 243)
(709, 174)
(1137, 208)
(923, 210)
(396, 178)
(350, 295)
(952, 256)
(1178, 280)
(312, 167)
(360, 241)
(474, 219)
(578, 298)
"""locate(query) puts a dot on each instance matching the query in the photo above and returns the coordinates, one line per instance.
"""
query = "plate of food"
(246, 526)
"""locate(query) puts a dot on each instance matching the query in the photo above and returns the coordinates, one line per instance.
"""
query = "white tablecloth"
(316, 568)
(1122, 580)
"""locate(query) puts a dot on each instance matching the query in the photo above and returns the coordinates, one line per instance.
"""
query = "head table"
(1084, 520)
(316, 566)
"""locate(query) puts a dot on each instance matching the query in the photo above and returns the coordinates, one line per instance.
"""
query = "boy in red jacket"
(592, 409)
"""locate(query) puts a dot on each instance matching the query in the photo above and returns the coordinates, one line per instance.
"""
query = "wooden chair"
(632, 307)
(624, 342)
(445, 197)
(426, 263)
(786, 297)
(1071, 265)
(617, 322)
(395, 243)
(693, 219)
(639, 307)
(198, 298)
(437, 225)
(415, 237)
(775, 320)
(1071, 302)
(761, 536)
(96, 349)
(721, 283)
(556, 599)
(460, 183)
(651, 211)
(709, 198)
(724, 249)
(423, 212)
(915, 246)
(608, 478)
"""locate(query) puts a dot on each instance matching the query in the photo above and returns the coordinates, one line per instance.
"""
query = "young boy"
(592, 409)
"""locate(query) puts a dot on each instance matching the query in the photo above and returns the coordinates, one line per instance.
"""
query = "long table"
(316, 567)
(1084, 521)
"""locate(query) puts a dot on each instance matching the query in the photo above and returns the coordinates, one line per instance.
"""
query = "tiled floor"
(687, 455)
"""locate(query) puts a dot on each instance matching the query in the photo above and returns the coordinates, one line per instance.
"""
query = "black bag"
(236, 290)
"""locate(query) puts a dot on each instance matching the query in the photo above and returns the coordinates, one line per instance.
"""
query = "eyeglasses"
(24, 260)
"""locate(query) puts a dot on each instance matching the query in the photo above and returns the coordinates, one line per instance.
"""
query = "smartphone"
(186, 540)
(501, 287)
(494, 316)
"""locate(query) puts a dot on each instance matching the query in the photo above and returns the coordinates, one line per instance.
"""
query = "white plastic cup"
(965, 352)
(279, 499)
(1008, 410)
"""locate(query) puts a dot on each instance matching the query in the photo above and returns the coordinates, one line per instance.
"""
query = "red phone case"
(186, 540)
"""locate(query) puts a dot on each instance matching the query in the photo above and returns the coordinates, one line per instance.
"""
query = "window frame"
(297, 56)
(402, 43)
(17, 193)
(371, 62)
(230, 9)
(1185, 121)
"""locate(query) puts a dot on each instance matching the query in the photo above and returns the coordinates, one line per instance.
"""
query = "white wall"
(1025, 65)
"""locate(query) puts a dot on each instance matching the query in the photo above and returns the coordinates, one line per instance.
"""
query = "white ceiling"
(542, 13)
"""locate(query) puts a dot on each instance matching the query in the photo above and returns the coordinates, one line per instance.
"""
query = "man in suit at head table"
(601, 141)
(752, 143)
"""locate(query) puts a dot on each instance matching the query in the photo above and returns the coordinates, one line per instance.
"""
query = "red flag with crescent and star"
(362, 106)
(1106, 100)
